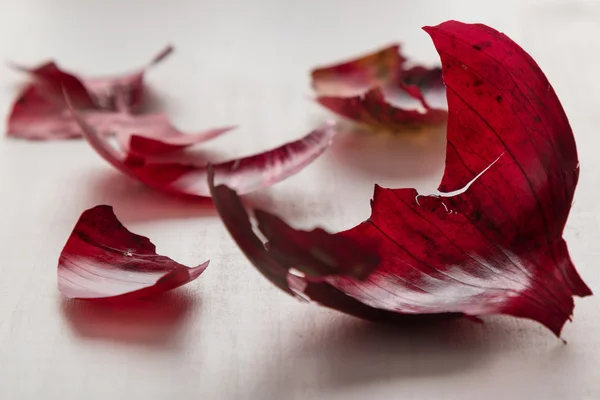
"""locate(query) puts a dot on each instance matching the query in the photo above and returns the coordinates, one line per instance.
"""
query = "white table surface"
(231, 334)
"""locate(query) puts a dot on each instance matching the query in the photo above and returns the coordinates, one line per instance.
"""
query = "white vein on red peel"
(457, 192)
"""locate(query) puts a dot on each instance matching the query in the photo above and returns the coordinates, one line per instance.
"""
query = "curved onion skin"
(102, 260)
(359, 75)
(364, 90)
(246, 174)
(40, 112)
(493, 247)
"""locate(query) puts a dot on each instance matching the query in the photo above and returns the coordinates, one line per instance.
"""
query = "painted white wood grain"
(231, 335)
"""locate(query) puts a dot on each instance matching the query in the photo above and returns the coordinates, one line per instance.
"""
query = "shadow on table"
(153, 100)
(154, 322)
(392, 159)
(134, 202)
(352, 353)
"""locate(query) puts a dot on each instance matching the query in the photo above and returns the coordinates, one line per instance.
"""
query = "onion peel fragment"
(490, 241)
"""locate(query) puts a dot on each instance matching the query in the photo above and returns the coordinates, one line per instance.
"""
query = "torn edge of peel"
(164, 53)
(91, 136)
(16, 66)
(210, 176)
(98, 241)
(158, 57)
(457, 192)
